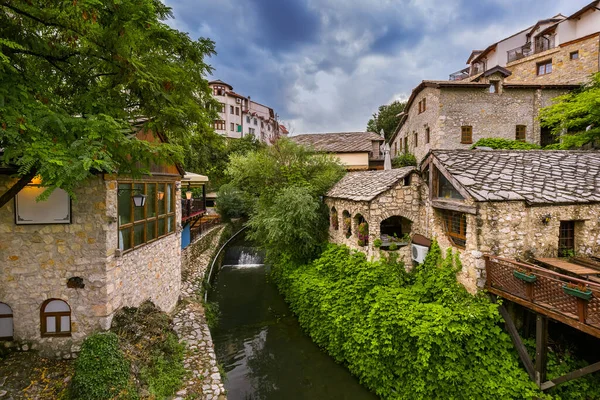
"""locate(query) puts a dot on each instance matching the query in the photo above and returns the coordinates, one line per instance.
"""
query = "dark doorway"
(546, 137)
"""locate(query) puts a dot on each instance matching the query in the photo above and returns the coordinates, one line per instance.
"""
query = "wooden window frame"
(416, 138)
(521, 133)
(237, 111)
(422, 105)
(231, 109)
(231, 126)
(57, 316)
(11, 316)
(427, 135)
(219, 125)
(131, 225)
(545, 65)
(574, 53)
(464, 131)
(406, 144)
(566, 234)
(222, 107)
(448, 219)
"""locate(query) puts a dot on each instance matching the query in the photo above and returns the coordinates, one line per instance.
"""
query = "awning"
(191, 179)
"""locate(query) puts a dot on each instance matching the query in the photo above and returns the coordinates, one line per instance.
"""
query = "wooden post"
(581, 310)
(541, 349)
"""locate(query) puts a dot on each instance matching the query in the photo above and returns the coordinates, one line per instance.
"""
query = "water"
(262, 348)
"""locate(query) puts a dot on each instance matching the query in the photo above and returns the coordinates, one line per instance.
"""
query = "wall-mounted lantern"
(160, 195)
(188, 195)
(546, 219)
(139, 200)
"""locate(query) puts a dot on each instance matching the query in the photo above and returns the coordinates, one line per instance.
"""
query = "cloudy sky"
(327, 65)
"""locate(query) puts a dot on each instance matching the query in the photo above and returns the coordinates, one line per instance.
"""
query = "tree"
(386, 118)
(78, 79)
(577, 113)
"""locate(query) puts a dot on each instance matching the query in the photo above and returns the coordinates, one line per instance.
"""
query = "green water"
(259, 343)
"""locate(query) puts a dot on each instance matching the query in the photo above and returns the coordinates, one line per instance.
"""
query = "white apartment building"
(240, 116)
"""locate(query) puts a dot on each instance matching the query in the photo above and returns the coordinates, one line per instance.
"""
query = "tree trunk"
(16, 188)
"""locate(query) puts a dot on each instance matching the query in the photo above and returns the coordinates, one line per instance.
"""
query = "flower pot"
(524, 276)
(585, 295)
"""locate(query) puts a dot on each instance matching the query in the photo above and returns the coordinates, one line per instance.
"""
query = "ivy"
(417, 335)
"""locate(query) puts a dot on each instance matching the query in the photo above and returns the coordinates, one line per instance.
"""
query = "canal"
(260, 344)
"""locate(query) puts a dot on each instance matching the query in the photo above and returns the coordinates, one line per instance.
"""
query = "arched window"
(56, 318)
(334, 219)
(347, 220)
(6, 322)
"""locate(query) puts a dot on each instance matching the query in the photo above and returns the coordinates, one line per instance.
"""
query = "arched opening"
(395, 229)
(55, 317)
(334, 220)
(347, 223)
(362, 228)
(6, 322)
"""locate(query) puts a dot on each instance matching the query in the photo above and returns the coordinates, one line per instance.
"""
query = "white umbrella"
(387, 159)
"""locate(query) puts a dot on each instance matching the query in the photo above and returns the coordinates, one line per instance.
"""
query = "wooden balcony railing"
(546, 293)
(192, 208)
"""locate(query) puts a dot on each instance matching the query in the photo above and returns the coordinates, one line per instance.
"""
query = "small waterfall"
(249, 259)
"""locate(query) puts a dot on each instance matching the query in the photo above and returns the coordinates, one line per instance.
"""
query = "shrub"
(377, 243)
(404, 160)
(101, 371)
(506, 144)
(164, 373)
(232, 203)
(393, 247)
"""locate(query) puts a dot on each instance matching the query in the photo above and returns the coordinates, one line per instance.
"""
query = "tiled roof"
(366, 185)
(340, 142)
(535, 176)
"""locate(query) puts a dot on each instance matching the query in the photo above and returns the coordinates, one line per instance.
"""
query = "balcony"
(192, 208)
(542, 44)
(460, 75)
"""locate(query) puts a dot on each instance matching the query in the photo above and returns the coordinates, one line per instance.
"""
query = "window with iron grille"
(566, 239)
(455, 224)
(466, 134)
(520, 132)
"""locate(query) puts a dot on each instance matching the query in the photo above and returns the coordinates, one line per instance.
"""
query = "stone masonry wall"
(37, 260)
(564, 70)
(152, 271)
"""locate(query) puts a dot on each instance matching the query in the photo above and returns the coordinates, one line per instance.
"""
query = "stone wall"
(564, 70)
(37, 260)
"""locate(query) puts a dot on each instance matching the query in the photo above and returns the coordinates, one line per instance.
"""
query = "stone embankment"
(204, 381)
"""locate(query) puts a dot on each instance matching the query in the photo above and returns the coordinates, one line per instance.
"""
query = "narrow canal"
(260, 344)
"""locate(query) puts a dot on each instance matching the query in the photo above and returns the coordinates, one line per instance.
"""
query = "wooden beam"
(590, 330)
(454, 206)
(571, 375)
(517, 342)
(16, 188)
(541, 348)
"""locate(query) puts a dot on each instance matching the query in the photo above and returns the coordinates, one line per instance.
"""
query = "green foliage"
(417, 335)
(404, 160)
(386, 118)
(393, 247)
(165, 372)
(506, 144)
(78, 79)
(101, 371)
(233, 202)
(573, 113)
(377, 243)
(212, 313)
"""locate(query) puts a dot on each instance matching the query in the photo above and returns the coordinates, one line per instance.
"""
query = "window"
(6, 322)
(238, 128)
(255, 121)
(395, 148)
(269, 128)
(247, 118)
(405, 143)
(494, 87)
(218, 91)
(406, 180)
(237, 111)
(416, 138)
(55, 318)
(574, 55)
(262, 124)
(251, 131)
(520, 133)
(466, 134)
(220, 125)
(231, 126)
(140, 225)
(230, 109)
(222, 107)
(566, 239)
(427, 138)
(335, 223)
(422, 105)
(455, 224)
(445, 189)
(544, 68)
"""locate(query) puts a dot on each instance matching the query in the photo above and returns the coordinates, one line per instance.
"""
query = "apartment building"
(240, 115)
(555, 50)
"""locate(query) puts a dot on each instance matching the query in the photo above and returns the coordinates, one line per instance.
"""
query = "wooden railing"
(546, 293)
(191, 208)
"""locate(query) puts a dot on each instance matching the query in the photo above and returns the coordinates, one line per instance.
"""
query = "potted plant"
(523, 275)
(577, 290)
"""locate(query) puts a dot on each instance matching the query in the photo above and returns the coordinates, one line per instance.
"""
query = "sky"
(327, 65)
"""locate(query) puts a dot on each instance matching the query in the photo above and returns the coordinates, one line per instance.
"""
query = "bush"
(377, 243)
(404, 160)
(164, 373)
(393, 247)
(505, 144)
(101, 371)
(233, 203)
(417, 335)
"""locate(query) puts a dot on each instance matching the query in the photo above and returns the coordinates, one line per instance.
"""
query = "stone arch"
(362, 229)
(334, 220)
(347, 223)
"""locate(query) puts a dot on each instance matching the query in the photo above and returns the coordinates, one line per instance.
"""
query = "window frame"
(521, 133)
(566, 237)
(416, 138)
(145, 220)
(230, 109)
(544, 65)
(466, 130)
(574, 53)
(219, 125)
(11, 317)
(58, 318)
(448, 221)
(427, 135)
(231, 126)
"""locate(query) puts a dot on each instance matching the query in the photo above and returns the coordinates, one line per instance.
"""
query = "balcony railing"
(542, 44)
(192, 208)
(573, 301)
(460, 75)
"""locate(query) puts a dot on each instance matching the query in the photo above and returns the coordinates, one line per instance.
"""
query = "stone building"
(554, 50)
(69, 264)
(516, 204)
(356, 150)
(455, 114)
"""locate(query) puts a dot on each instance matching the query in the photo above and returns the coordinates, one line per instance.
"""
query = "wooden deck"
(546, 295)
